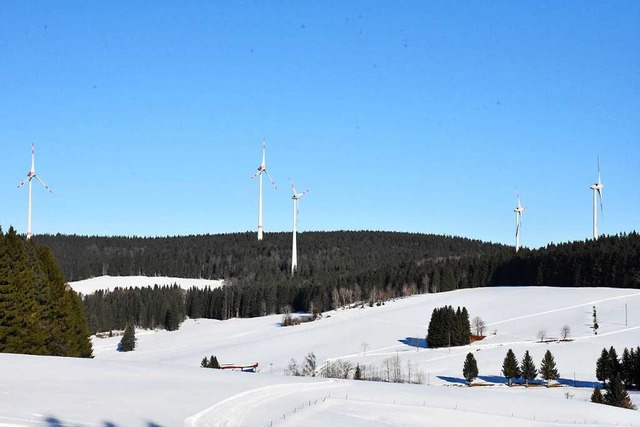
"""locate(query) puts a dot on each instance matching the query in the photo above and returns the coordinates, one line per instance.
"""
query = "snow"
(89, 286)
(161, 383)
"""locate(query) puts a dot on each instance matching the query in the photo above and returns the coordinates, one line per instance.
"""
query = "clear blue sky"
(414, 116)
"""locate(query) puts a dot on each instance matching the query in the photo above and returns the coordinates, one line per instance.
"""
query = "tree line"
(158, 307)
(39, 314)
(337, 268)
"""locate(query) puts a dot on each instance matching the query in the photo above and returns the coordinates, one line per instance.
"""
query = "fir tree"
(128, 341)
(204, 363)
(603, 367)
(614, 363)
(626, 367)
(616, 395)
(357, 375)
(213, 362)
(510, 367)
(596, 396)
(529, 371)
(548, 369)
(470, 368)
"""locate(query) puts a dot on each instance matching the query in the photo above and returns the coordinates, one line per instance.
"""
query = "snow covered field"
(160, 383)
(89, 286)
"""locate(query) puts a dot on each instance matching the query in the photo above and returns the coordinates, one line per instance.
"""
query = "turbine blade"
(256, 174)
(601, 205)
(303, 193)
(293, 187)
(43, 184)
(24, 182)
(271, 179)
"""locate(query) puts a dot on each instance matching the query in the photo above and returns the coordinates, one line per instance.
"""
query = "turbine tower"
(518, 210)
(30, 177)
(597, 193)
(294, 248)
(262, 169)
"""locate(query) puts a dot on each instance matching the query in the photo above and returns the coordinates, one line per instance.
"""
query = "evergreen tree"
(128, 341)
(470, 368)
(39, 315)
(603, 367)
(510, 367)
(213, 362)
(614, 363)
(357, 375)
(204, 363)
(596, 396)
(548, 369)
(529, 371)
(616, 395)
(635, 358)
(626, 367)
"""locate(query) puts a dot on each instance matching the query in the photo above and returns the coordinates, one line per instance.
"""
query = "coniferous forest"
(334, 269)
(38, 314)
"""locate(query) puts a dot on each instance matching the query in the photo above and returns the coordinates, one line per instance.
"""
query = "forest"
(335, 268)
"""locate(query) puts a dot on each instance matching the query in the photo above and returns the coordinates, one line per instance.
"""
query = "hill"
(160, 383)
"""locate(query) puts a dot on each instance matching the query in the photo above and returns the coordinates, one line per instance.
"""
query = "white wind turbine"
(518, 210)
(597, 193)
(294, 248)
(262, 169)
(30, 177)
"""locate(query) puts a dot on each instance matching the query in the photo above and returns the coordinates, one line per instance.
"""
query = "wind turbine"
(597, 193)
(30, 177)
(518, 210)
(262, 169)
(294, 248)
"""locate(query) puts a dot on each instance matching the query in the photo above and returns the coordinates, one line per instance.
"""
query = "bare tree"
(335, 298)
(565, 332)
(293, 368)
(542, 334)
(309, 368)
(479, 326)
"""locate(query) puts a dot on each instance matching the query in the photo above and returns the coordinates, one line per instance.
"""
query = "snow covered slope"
(89, 286)
(160, 383)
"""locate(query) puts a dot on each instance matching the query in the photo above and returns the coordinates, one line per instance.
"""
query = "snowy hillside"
(89, 286)
(160, 383)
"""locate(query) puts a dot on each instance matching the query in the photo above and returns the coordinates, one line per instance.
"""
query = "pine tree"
(596, 396)
(529, 371)
(213, 362)
(465, 327)
(603, 367)
(548, 369)
(616, 395)
(128, 341)
(470, 368)
(626, 367)
(204, 363)
(614, 363)
(357, 375)
(510, 368)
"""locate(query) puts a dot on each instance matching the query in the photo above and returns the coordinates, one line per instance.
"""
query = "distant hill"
(241, 255)
(335, 268)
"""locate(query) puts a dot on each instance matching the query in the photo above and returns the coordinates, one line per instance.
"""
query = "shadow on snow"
(415, 342)
(495, 379)
(55, 422)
